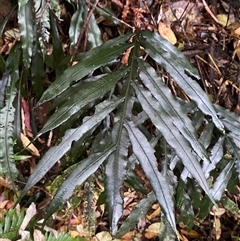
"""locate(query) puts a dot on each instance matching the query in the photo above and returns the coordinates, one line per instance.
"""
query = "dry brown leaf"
(234, 25)
(167, 33)
(190, 234)
(153, 230)
(104, 236)
(187, 12)
(154, 214)
(5, 183)
(3, 204)
(29, 146)
(182, 237)
(237, 31)
(128, 236)
(236, 45)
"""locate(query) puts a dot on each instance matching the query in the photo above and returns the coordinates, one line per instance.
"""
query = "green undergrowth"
(114, 116)
(18, 224)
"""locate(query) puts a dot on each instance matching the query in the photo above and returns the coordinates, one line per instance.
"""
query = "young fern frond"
(9, 226)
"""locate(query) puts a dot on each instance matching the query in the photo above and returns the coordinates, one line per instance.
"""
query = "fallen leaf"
(48, 229)
(38, 236)
(29, 146)
(167, 33)
(103, 236)
(217, 228)
(128, 236)
(188, 13)
(13, 33)
(191, 234)
(25, 236)
(223, 19)
(154, 214)
(3, 204)
(31, 211)
(153, 231)
(217, 211)
(236, 45)
(74, 233)
(237, 31)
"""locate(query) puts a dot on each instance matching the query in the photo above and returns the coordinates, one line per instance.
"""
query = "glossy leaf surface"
(179, 68)
(91, 60)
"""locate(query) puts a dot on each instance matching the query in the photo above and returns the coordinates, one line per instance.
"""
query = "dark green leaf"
(173, 137)
(37, 66)
(115, 174)
(215, 157)
(179, 68)
(85, 169)
(56, 152)
(2, 64)
(25, 22)
(94, 34)
(77, 22)
(3, 85)
(135, 182)
(186, 216)
(145, 154)
(222, 181)
(172, 107)
(92, 60)
(7, 117)
(116, 165)
(137, 214)
(205, 207)
(84, 96)
(230, 206)
(57, 47)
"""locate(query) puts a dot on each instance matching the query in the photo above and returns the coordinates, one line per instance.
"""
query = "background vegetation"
(111, 108)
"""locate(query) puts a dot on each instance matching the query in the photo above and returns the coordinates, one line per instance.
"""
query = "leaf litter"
(208, 34)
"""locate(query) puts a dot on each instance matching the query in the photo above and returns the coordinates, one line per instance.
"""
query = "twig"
(82, 32)
(119, 20)
(180, 24)
(210, 12)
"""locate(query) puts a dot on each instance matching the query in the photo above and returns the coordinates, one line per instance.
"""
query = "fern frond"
(61, 237)
(7, 162)
(10, 225)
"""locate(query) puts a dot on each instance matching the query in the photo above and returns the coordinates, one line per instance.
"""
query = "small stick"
(82, 32)
(210, 12)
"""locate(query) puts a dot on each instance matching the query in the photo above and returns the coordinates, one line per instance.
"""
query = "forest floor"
(208, 33)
